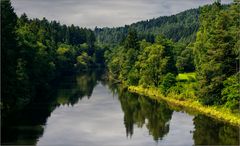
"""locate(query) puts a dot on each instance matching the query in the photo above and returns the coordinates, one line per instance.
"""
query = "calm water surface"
(86, 110)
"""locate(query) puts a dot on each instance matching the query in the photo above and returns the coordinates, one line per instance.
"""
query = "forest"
(205, 69)
(37, 52)
(181, 27)
(193, 54)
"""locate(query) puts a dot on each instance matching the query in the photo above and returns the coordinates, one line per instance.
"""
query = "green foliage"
(35, 52)
(133, 77)
(131, 40)
(83, 61)
(62, 51)
(187, 77)
(169, 80)
(153, 64)
(214, 49)
(185, 61)
(142, 63)
(121, 59)
(181, 27)
(65, 58)
(9, 55)
(230, 92)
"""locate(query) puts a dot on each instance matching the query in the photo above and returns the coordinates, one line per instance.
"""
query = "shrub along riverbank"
(219, 113)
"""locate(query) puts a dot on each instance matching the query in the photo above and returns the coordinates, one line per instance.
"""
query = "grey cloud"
(111, 13)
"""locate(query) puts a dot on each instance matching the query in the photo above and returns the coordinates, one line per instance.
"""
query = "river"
(86, 110)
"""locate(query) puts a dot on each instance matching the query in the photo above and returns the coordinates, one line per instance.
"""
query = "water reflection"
(26, 126)
(212, 132)
(74, 88)
(97, 112)
(142, 111)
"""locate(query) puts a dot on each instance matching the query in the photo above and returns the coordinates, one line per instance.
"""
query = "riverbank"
(219, 113)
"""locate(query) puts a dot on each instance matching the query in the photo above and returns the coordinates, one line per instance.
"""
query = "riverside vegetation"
(189, 59)
(202, 74)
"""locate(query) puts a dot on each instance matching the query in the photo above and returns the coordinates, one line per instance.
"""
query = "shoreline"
(218, 113)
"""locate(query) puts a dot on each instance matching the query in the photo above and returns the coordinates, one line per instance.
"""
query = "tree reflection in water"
(26, 126)
(212, 132)
(81, 86)
(140, 110)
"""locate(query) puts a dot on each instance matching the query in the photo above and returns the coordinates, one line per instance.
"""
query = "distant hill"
(180, 27)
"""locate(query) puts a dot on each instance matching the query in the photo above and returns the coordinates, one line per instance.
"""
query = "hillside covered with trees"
(181, 27)
(211, 61)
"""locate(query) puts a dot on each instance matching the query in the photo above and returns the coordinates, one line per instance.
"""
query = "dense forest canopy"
(180, 27)
(149, 53)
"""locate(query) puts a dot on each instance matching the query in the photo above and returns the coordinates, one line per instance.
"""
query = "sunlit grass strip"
(186, 76)
(219, 113)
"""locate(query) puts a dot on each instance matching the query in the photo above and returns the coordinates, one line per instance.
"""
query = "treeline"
(214, 56)
(35, 52)
(143, 63)
(181, 27)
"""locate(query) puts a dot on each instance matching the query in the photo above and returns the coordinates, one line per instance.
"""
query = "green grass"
(219, 113)
(186, 85)
(186, 76)
(186, 99)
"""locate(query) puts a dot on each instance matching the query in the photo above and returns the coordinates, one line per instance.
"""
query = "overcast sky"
(101, 13)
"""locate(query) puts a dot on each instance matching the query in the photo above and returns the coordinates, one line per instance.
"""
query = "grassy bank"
(219, 113)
